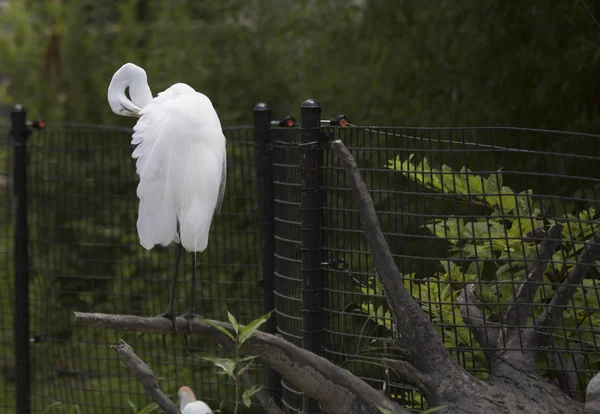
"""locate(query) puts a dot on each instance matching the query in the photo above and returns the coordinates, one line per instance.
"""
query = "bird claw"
(170, 316)
(189, 316)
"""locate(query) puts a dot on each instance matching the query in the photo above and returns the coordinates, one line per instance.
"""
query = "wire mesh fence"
(85, 256)
(457, 207)
(463, 206)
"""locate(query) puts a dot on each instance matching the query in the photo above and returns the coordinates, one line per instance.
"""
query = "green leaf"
(524, 204)
(234, 323)
(247, 395)
(51, 406)
(220, 328)
(226, 364)
(507, 199)
(492, 188)
(246, 366)
(248, 330)
(132, 405)
(149, 408)
(474, 183)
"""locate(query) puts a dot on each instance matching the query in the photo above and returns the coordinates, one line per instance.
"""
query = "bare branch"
(145, 376)
(566, 371)
(411, 374)
(335, 388)
(585, 261)
(419, 336)
(485, 334)
(519, 309)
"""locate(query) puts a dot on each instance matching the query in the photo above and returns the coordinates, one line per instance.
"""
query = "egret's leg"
(169, 314)
(191, 311)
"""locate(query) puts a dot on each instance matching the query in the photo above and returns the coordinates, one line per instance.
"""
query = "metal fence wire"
(85, 256)
(457, 206)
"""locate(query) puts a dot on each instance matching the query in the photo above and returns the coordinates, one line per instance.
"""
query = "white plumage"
(188, 403)
(180, 159)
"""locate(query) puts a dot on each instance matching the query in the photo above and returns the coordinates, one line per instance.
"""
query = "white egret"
(181, 162)
(188, 404)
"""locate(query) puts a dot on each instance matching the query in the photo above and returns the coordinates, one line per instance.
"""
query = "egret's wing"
(180, 158)
(200, 187)
(157, 218)
(223, 182)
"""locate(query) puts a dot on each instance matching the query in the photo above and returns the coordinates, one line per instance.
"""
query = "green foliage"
(65, 408)
(490, 251)
(150, 408)
(236, 366)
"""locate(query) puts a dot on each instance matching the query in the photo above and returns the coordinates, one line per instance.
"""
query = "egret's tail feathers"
(157, 220)
(195, 226)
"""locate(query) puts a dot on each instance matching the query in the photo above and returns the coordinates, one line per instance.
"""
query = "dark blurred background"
(423, 63)
(385, 62)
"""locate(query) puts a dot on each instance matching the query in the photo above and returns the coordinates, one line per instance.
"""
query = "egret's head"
(185, 396)
(131, 77)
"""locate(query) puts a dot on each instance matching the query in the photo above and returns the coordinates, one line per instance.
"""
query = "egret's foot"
(189, 316)
(170, 315)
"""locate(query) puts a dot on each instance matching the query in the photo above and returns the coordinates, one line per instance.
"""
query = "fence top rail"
(369, 128)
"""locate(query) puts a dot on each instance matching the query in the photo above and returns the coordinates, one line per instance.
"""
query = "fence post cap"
(311, 103)
(261, 106)
(18, 108)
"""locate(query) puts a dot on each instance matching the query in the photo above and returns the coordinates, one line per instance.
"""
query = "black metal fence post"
(264, 181)
(311, 160)
(19, 134)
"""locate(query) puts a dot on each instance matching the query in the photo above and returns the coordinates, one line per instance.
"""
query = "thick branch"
(335, 388)
(520, 306)
(145, 376)
(419, 336)
(485, 334)
(585, 261)
(566, 372)
(409, 373)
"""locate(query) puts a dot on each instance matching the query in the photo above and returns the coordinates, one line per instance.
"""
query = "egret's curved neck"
(132, 77)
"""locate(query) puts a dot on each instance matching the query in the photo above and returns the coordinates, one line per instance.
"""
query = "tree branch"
(410, 374)
(485, 334)
(566, 372)
(145, 376)
(519, 308)
(335, 388)
(585, 261)
(419, 336)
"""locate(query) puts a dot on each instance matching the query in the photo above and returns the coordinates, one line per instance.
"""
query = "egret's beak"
(132, 111)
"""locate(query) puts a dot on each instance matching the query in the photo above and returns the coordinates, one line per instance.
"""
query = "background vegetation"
(386, 62)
